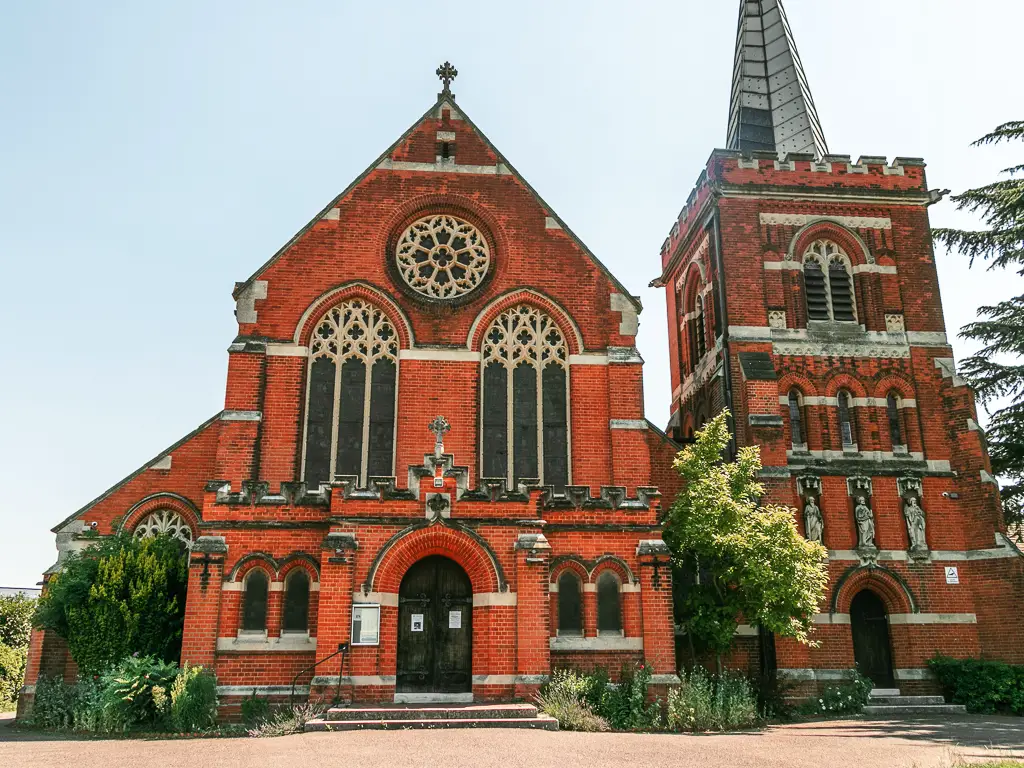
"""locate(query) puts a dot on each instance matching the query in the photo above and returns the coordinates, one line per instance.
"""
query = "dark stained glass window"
(254, 601)
(295, 617)
(609, 603)
(892, 407)
(796, 422)
(570, 604)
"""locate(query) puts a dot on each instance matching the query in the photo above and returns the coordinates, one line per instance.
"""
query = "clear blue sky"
(151, 154)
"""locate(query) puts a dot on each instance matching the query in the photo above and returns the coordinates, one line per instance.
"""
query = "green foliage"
(997, 370)
(568, 698)
(54, 703)
(12, 673)
(16, 620)
(625, 705)
(128, 693)
(848, 698)
(119, 596)
(705, 703)
(193, 702)
(255, 709)
(984, 687)
(287, 721)
(734, 557)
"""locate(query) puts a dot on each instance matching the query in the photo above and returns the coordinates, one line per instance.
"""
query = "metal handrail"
(342, 650)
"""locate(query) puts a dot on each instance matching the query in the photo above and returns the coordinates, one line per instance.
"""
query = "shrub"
(570, 698)
(16, 620)
(54, 703)
(625, 705)
(254, 709)
(287, 721)
(128, 693)
(983, 687)
(87, 708)
(193, 700)
(704, 703)
(119, 596)
(12, 672)
(847, 698)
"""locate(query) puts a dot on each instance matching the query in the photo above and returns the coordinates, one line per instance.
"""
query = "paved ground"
(917, 744)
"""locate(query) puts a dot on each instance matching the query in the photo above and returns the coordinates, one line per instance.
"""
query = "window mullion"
(335, 412)
(364, 453)
(540, 407)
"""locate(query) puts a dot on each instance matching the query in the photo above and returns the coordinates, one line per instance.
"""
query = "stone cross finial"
(446, 73)
(440, 427)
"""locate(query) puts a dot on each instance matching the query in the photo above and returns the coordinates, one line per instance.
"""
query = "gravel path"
(863, 744)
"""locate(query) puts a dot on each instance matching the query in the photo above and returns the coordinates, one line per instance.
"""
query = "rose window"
(164, 521)
(442, 257)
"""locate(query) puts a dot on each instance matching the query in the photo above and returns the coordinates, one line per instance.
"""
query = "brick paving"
(919, 743)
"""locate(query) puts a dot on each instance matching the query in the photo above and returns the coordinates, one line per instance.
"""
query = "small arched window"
(254, 601)
(609, 604)
(352, 385)
(295, 616)
(846, 426)
(892, 409)
(828, 283)
(700, 329)
(570, 604)
(796, 421)
(682, 337)
(526, 399)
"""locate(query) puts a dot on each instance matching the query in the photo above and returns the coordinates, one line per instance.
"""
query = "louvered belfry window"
(828, 283)
(525, 417)
(353, 381)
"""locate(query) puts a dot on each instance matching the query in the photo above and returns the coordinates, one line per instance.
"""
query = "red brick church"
(433, 449)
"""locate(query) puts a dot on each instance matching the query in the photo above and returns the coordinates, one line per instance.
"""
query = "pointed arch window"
(525, 414)
(828, 283)
(352, 389)
(847, 429)
(796, 421)
(254, 601)
(609, 604)
(570, 604)
(700, 330)
(295, 615)
(892, 410)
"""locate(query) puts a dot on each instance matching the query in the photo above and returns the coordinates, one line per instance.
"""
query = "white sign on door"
(454, 619)
(417, 622)
(952, 574)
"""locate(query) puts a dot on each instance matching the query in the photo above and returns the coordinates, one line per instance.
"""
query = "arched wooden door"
(435, 628)
(872, 649)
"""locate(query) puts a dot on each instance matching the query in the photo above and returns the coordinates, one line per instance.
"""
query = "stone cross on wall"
(440, 427)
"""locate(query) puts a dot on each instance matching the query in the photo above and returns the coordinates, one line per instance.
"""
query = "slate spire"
(771, 107)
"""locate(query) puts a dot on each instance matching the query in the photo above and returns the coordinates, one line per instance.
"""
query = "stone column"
(334, 611)
(533, 614)
(656, 608)
(202, 606)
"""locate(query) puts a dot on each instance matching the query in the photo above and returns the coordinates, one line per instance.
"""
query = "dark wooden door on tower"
(435, 628)
(872, 649)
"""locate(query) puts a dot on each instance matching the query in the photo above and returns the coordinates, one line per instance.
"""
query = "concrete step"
(905, 701)
(477, 712)
(914, 710)
(542, 722)
(885, 692)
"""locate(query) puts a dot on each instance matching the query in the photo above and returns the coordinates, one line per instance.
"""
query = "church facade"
(433, 480)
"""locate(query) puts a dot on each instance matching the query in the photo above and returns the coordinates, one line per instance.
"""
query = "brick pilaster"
(202, 606)
(334, 616)
(533, 616)
(656, 606)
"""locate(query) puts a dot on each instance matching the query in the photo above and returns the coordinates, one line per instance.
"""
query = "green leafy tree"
(735, 558)
(997, 371)
(16, 620)
(118, 597)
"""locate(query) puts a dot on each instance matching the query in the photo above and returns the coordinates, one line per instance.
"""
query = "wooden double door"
(872, 649)
(435, 628)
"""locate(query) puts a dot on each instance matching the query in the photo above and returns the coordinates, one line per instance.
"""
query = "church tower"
(803, 296)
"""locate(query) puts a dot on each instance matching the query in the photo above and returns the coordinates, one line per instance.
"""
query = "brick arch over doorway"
(407, 547)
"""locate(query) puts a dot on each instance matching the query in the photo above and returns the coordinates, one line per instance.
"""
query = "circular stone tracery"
(164, 521)
(442, 257)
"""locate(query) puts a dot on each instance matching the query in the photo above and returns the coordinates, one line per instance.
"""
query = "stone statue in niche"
(865, 524)
(916, 525)
(814, 522)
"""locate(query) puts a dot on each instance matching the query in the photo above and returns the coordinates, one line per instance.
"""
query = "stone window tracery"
(525, 410)
(828, 283)
(164, 521)
(442, 257)
(351, 395)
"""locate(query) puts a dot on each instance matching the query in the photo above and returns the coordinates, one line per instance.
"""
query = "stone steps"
(399, 717)
(890, 703)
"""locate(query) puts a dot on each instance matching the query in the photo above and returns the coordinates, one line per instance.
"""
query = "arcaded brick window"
(892, 409)
(295, 617)
(351, 395)
(254, 601)
(525, 399)
(796, 420)
(570, 604)
(847, 428)
(609, 604)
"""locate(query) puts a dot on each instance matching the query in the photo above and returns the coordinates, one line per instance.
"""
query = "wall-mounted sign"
(454, 619)
(365, 624)
(417, 622)
(952, 574)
